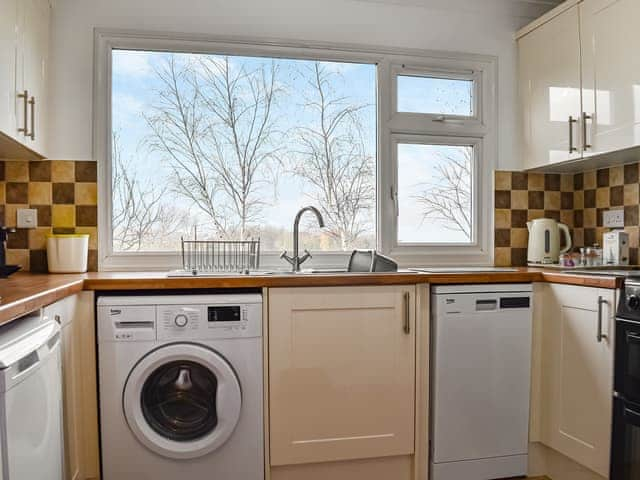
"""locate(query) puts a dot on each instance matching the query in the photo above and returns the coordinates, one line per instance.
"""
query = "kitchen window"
(228, 140)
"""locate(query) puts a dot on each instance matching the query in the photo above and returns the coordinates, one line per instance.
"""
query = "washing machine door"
(182, 401)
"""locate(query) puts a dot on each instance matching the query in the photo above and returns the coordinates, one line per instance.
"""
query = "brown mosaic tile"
(520, 199)
(17, 192)
(536, 200)
(599, 216)
(519, 238)
(616, 196)
(552, 200)
(578, 181)
(590, 218)
(590, 182)
(589, 199)
(38, 261)
(40, 171)
(552, 182)
(631, 173)
(503, 199)
(92, 261)
(633, 256)
(602, 196)
(503, 237)
(518, 218)
(1, 170)
(44, 214)
(86, 172)
(63, 171)
(502, 218)
(519, 181)
(502, 257)
(566, 201)
(502, 180)
(536, 181)
(631, 216)
(578, 218)
(16, 171)
(555, 214)
(2, 220)
(602, 178)
(631, 194)
(518, 257)
(19, 239)
(589, 236)
(86, 216)
(64, 193)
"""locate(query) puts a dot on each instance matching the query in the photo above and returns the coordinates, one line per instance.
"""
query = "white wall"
(470, 26)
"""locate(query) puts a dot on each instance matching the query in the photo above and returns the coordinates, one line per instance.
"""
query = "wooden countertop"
(25, 292)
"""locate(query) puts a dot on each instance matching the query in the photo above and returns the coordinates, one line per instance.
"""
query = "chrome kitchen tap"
(296, 260)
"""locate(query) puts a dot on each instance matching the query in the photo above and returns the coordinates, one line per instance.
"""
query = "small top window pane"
(431, 95)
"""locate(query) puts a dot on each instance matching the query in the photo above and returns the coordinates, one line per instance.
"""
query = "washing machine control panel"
(208, 321)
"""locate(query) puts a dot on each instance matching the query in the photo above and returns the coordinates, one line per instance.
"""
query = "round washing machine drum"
(182, 401)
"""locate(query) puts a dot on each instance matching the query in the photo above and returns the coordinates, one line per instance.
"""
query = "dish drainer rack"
(215, 256)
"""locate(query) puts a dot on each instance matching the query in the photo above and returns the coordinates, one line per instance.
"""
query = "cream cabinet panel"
(341, 373)
(611, 74)
(8, 46)
(549, 89)
(74, 314)
(577, 373)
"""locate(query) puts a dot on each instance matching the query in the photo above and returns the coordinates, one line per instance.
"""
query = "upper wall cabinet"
(24, 63)
(611, 74)
(579, 84)
(549, 77)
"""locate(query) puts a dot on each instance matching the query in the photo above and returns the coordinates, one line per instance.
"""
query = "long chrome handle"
(407, 313)
(601, 336)
(32, 134)
(585, 117)
(571, 122)
(25, 111)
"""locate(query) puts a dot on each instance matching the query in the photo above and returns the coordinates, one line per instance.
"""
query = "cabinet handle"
(58, 319)
(32, 102)
(571, 122)
(585, 117)
(407, 313)
(25, 109)
(601, 336)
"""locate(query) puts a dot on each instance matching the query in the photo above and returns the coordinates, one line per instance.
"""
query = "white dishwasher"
(481, 370)
(30, 400)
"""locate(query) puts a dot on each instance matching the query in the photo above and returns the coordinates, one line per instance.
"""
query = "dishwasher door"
(31, 406)
(481, 382)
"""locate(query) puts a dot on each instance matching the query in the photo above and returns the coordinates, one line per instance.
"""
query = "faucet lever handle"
(307, 255)
(286, 257)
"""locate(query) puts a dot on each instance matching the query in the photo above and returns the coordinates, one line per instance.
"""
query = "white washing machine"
(181, 390)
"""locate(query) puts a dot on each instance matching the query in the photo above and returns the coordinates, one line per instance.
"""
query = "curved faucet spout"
(297, 260)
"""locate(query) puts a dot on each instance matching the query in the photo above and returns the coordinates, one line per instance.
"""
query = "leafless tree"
(332, 157)
(448, 198)
(140, 212)
(213, 121)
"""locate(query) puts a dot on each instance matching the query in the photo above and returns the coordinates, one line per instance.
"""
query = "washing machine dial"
(181, 320)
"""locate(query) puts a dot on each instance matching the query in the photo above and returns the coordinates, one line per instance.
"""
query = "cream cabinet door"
(577, 373)
(8, 45)
(550, 91)
(611, 74)
(33, 56)
(341, 373)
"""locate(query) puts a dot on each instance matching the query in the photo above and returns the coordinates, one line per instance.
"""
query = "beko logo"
(450, 301)
(115, 311)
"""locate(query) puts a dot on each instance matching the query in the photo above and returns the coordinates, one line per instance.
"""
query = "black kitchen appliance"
(625, 445)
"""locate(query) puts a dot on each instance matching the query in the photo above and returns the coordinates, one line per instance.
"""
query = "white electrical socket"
(613, 219)
(27, 218)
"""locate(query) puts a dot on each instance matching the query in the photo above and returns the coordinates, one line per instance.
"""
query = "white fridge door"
(33, 420)
(482, 382)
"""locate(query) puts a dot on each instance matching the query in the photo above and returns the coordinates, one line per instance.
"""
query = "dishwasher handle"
(29, 352)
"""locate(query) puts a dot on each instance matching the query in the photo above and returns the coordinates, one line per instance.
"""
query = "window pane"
(442, 96)
(234, 146)
(435, 193)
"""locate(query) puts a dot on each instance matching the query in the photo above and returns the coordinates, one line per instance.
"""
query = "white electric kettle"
(544, 240)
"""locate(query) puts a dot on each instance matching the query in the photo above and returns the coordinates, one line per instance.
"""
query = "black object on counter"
(6, 270)
(371, 261)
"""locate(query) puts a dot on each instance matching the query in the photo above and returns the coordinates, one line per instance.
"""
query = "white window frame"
(391, 125)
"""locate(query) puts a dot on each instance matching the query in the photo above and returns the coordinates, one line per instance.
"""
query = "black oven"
(625, 444)
(627, 360)
(625, 448)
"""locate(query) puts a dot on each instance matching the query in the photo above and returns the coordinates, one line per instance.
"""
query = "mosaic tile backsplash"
(577, 200)
(65, 195)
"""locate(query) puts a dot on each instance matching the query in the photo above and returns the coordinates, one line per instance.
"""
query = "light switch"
(27, 218)
(613, 218)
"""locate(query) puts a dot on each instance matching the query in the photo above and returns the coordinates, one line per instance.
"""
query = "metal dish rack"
(217, 256)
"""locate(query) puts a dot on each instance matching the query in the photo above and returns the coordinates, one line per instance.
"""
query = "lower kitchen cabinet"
(75, 316)
(342, 381)
(576, 372)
